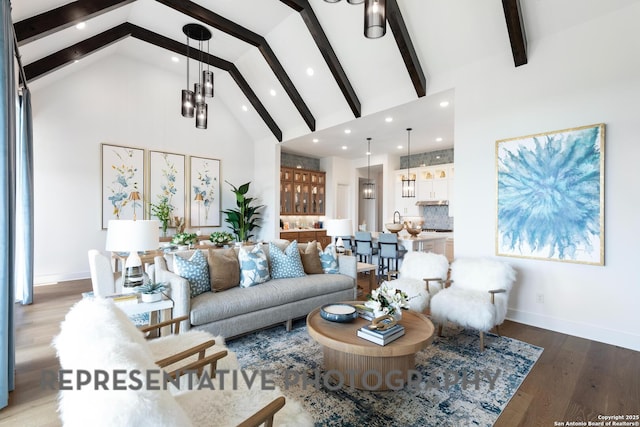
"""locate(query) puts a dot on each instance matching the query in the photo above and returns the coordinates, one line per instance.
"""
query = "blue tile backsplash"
(437, 217)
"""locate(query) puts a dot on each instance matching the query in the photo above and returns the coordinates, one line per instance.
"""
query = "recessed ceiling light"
(399, 147)
(437, 157)
(81, 26)
(344, 147)
(315, 140)
(347, 131)
(444, 104)
(245, 108)
(438, 139)
(298, 166)
(388, 119)
(368, 153)
(175, 59)
(76, 61)
(310, 71)
(272, 92)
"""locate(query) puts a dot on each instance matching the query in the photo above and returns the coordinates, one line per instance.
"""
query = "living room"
(580, 72)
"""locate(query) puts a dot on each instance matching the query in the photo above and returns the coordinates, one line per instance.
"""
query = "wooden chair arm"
(493, 293)
(391, 272)
(432, 279)
(264, 415)
(157, 326)
(446, 283)
(199, 364)
(200, 349)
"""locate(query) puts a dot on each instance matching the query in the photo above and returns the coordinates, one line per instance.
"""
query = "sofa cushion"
(224, 269)
(214, 306)
(287, 263)
(254, 267)
(329, 259)
(195, 270)
(310, 256)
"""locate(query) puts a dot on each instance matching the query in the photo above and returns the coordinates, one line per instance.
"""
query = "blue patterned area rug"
(455, 384)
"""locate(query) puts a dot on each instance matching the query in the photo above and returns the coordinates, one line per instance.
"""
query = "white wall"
(121, 102)
(585, 75)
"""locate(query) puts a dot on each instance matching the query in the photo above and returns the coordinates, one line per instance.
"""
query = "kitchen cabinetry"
(302, 192)
(305, 236)
(434, 183)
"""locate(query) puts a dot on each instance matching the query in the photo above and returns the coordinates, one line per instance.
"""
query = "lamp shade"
(132, 236)
(339, 227)
(375, 19)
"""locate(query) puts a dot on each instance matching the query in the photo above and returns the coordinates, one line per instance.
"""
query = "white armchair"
(97, 338)
(477, 297)
(420, 277)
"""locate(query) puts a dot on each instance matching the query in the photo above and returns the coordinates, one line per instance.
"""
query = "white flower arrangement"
(221, 238)
(387, 299)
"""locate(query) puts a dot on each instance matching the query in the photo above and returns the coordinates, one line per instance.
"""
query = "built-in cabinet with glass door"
(302, 192)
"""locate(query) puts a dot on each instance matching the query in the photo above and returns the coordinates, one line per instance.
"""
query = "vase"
(151, 297)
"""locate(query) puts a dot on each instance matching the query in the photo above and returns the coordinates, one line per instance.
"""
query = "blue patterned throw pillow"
(254, 267)
(285, 264)
(195, 270)
(329, 259)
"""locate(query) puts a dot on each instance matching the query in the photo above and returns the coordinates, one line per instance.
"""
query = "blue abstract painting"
(551, 195)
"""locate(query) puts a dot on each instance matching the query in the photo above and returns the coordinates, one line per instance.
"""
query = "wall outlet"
(540, 298)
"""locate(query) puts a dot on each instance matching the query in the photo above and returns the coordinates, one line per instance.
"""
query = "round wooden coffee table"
(359, 363)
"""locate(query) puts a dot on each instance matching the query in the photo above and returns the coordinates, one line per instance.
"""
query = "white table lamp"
(133, 236)
(338, 228)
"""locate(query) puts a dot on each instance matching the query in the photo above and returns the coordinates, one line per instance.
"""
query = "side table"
(363, 267)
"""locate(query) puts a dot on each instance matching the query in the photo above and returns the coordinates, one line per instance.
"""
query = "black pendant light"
(193, 102)
(368, 188)
(375, 19)
(408, 184)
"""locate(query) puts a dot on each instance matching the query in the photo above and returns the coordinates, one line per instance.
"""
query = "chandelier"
(408, 184)
(193, 101)
(369, 188)
(375, 17)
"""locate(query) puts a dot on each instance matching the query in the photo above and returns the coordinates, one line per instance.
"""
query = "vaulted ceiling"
(261, 52)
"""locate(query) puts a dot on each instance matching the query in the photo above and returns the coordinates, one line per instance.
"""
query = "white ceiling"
(445, 34)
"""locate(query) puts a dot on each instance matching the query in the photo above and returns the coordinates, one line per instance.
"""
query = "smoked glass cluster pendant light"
(375, 17)
(193, 101)
(408, 184)
(368, 188)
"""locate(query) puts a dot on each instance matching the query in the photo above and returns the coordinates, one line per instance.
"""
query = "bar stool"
(389, 253)
(364, 248)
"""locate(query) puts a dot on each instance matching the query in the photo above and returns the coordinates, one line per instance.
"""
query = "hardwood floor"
(574, 379)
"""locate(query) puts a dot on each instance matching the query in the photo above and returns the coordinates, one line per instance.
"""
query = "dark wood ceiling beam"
(70, 54)
(62, 17)
(208, 17)
(330, 57)
(73, 53)
(405, 45)
(515, 27)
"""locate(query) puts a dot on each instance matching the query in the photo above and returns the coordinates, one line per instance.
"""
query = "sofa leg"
(288, 324)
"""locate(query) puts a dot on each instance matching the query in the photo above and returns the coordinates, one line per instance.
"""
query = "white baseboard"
(578, 329)
(55, 278)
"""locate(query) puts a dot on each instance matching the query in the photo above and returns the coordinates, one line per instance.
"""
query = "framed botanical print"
(551, 195)
(122, 183)
(204, 197)
(167, 184)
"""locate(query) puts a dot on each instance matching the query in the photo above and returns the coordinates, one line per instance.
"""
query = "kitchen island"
(424, 242)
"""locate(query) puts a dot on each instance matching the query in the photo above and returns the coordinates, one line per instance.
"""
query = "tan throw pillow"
(224, 269)
(311, 259)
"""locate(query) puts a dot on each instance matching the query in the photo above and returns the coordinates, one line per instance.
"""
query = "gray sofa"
(239, 310)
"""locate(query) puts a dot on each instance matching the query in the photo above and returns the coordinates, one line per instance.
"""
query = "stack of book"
(381, 337)
(130, 298)
(364, 312)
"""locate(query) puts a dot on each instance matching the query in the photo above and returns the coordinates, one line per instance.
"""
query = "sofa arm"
(347, 265)
(179, 291)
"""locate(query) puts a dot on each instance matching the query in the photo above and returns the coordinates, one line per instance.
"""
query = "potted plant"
(243, 219)
(184, 239)
(162, 211)
(151, 292)
(220, 238)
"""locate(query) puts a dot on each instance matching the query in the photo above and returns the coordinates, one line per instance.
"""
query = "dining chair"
(390, 252)
(364, 248)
